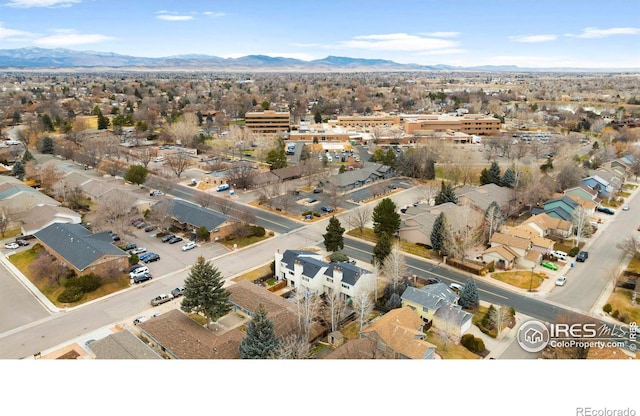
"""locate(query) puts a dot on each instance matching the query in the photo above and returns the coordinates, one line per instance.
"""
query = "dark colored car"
(177, 291)
(317, 191)
(431, 280)
(175, 239)
(327, 209)
(142, 278)
(606, 210)
(141, 225)
(130, 246)
(149, 228)
(582, 256)
(115, 237)
(22, 243)
(151, 258)
(167, 237)
(629, 284)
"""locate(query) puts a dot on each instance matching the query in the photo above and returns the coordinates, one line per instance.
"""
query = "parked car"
(606, 210)
(21, 242)
(560, 255)
(150, 228)
(139, 272)
(629, 284)
(311, 200)
(561, 280)
(130, 246)
(137, 250)
(582, 256)
(11, 246)
(625, 207)
(136, 267)
(151, 258)
(455, 287)
(142, 278)
(167, 237)
(160, 299)
(175, 239)
(144, 256)
(326, 209)
(156, 193)
(189, 246)
(140, 320)
(177, 291)
(141, 225)
(549, 265)
(317, 190)
(115, 237)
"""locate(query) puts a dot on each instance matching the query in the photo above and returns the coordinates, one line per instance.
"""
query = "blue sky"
(527, 33)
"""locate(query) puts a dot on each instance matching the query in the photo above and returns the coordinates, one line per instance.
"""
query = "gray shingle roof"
(289, 256)
(431, 296)
(121, 346)
(350, 272)
(188, 213)
(77, 245)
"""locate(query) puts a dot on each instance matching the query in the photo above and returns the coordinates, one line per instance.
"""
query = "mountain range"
(59, 59)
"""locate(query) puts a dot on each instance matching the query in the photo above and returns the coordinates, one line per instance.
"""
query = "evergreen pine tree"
(494, 173)
(46, 146)
(203, 291)
(484, 177)
(385, 218)
(27, 156)
(382, 249)
(18, 170)
(394, 301)
(509, 178)
(440, 234)
(317, 117)
(430, 169)
(446, 194)
(333, 238)
(261, 341)
(469, 298)
(389, 158)
(490, 319)
(47, 124)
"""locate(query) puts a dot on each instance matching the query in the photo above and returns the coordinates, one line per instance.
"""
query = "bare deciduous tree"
(293, 347)
(335, 308)
(178, 162)
(363, 305)
(185, 129)
(114, 211)
(360, 217)
(580, 220)
(630, 245)
(204, 199)
(145, 155)
(395, 266)
(308, 305)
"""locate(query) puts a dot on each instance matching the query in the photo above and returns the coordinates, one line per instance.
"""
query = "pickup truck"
(159, 300)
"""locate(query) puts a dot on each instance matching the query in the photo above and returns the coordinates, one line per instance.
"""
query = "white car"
(11, 246)
(189, 246)
(625, 207)
(138, 250)
(561, 280)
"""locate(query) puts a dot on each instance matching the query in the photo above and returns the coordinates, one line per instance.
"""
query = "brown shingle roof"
(184, 338)
(511, 241)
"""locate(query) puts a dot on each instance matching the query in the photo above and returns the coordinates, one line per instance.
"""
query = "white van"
(329, 158)
(159, 159)
(560, 255)
(139, 272)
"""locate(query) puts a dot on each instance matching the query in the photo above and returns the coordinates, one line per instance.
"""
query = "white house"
(307, 269)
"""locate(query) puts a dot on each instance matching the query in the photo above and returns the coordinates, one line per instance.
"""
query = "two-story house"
(308, 270)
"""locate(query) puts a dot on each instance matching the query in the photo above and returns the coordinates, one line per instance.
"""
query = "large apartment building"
(468, 123)
(268, 121)
(359, 121)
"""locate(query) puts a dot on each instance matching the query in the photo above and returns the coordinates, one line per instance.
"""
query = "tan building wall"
(357, 121)
(268, 121)
(469, 124)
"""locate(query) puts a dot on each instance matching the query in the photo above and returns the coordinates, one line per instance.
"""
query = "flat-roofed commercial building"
(358, 121)
(468, 123)
(268, 121)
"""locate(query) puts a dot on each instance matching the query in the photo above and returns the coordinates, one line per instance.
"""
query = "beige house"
(399, 334)
(547, 225)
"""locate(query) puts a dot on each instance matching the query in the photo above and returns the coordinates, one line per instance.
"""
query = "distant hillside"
(40, 58)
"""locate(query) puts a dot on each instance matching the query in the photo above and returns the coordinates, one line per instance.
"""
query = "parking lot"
(172, 258)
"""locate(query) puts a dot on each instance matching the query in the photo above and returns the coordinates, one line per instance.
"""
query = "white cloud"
(174, 17)
(396, 42)
(592, 32)
(65, 37)
(9, 34)
(533, 38)
(442, 34)
(41, 3)
(214, 14)
(449, 51)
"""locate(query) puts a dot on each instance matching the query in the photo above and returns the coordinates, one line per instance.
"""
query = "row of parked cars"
(16, 244)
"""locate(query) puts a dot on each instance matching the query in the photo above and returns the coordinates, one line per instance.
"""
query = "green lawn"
(520, 279)
(243, 241)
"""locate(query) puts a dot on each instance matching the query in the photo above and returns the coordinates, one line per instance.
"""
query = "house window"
(306, 279)
(330, 280)
(291, 272)
(346, 286)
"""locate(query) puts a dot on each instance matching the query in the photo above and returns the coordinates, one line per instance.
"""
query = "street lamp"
(531, 280)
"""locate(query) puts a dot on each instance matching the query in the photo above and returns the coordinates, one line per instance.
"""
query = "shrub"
(87, 283)
(134, 259)
(573, 252)
(607, 308)
(70, 295)
(472, 343)
(512, 311)
(478, 345)
(258, 231)
(316, 214)
(492, 269)
(466, 340)
(615, 313)
(338, 256)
